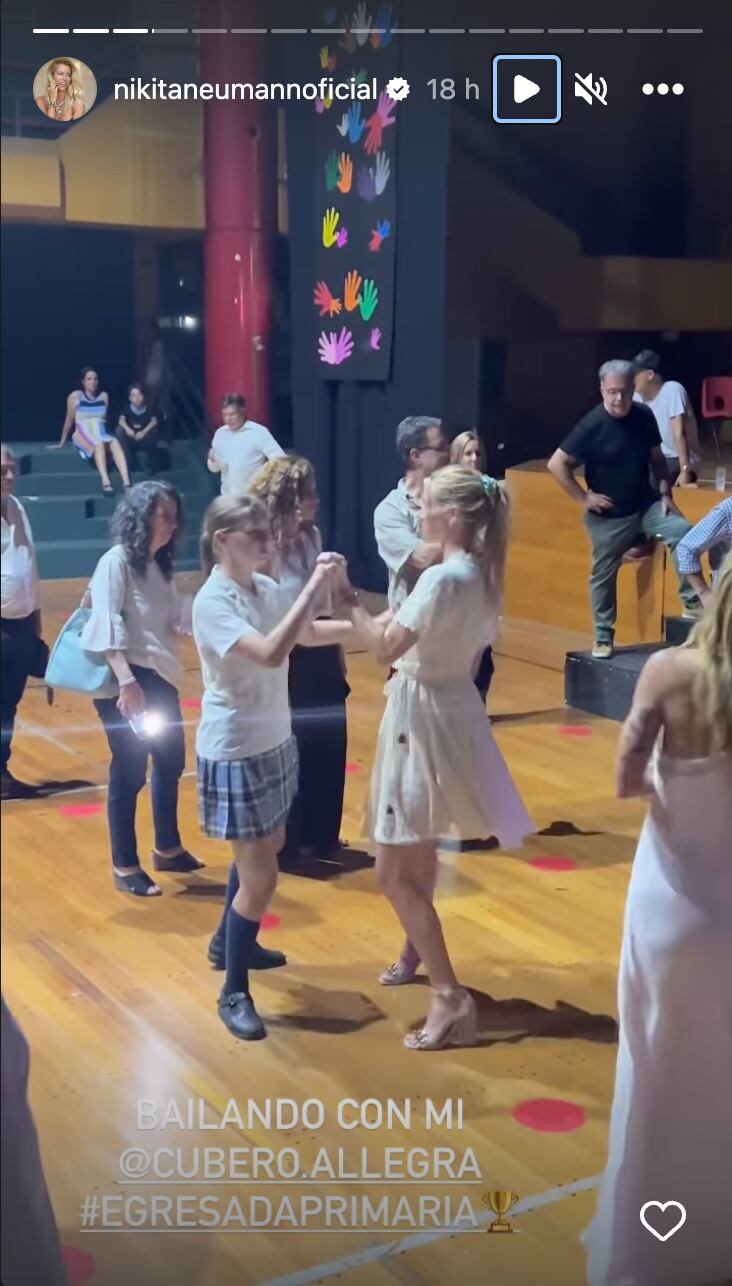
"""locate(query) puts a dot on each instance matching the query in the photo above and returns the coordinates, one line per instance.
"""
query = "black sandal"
(181, 864)
(138, 883)
(108, 491)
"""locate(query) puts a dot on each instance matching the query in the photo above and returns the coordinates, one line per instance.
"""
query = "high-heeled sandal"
(457, 1028)
(138, 883)
(180, 864)
(398, 975)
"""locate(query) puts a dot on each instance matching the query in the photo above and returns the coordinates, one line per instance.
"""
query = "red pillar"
(239, 176)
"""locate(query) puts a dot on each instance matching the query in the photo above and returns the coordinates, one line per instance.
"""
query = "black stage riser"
(605, 687)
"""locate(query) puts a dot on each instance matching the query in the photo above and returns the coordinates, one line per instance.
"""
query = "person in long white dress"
(671, 1121)
(438, 771)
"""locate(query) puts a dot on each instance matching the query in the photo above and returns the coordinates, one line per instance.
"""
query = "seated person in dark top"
(138, 429)
(619, 445)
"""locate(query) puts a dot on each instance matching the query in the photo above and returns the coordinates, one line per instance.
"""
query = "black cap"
(647, 360)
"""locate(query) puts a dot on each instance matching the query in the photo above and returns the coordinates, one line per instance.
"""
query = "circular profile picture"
(64, 89)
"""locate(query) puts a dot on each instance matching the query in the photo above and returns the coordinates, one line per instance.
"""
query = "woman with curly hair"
(670, 1124)
(317, 676)
(134, 621)
(64, 96)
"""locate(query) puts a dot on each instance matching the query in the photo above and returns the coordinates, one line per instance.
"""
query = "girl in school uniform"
(317, 681)
(438, 770)
(245, 626)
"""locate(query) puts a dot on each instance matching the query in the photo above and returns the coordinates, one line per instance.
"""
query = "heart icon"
(662, 1206)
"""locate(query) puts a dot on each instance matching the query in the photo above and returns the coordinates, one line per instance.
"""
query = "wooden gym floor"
(118, 1003)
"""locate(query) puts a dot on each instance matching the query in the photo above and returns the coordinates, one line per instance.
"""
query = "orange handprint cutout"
(345, 172)
(351, 288)
(329, 307)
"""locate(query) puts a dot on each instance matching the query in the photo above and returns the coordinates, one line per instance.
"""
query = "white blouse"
(137, 615)
(19, 572)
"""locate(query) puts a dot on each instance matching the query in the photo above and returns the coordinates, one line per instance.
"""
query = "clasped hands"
(335, 575)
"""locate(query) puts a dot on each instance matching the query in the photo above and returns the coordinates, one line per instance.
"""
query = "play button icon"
(527, 89)
(524, 89)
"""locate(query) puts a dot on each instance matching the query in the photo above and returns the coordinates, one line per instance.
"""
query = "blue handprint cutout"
(356, 125)
(383, 25)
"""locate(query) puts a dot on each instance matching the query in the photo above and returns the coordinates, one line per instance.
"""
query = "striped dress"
(91, 428)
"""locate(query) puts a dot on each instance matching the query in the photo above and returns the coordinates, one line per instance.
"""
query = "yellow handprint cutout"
(324, 56)
(330, 223)
(345, 172)
(351, 288)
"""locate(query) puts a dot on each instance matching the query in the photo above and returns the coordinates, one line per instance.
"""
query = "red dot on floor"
(549, 1115)
(79, 1265)
(351, 768)
(575, 730)
(80, 810)
(191, 703)
(269, 921)
(553, 863)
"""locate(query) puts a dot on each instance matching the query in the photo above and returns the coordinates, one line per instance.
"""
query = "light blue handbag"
(72, 668)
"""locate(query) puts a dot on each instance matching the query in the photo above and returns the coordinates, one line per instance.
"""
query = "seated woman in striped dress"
(85, 423)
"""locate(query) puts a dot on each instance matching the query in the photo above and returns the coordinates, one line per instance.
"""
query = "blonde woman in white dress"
(671, 1120)
(438, 771)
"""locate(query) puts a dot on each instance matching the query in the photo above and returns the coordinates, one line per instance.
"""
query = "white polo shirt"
(245, 709)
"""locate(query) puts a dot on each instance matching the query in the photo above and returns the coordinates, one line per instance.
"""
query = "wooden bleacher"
(549, 563)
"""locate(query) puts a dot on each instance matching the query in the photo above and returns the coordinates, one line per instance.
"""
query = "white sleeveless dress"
(671, 1121)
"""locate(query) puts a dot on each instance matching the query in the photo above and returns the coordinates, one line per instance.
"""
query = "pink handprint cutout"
(323, 298)
(376, 124)
(375, 338)
(334, 349)
(342, 238)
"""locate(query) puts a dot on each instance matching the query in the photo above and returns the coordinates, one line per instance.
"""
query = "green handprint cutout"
(368, 299)
(330, 223)
(331, 170)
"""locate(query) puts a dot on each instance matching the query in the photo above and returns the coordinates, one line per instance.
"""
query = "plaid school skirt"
(247, 798)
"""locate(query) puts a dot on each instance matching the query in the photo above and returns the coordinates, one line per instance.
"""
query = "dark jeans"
(18, 642)
(318, 692)
(134, 451)
(128, 769)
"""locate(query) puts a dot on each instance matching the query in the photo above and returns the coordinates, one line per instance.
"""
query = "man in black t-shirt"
(619, 445)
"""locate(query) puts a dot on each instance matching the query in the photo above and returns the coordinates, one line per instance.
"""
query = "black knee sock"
(240, 938)
(231, 890)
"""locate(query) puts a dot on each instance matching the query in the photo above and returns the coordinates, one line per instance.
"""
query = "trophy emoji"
(500, 1201)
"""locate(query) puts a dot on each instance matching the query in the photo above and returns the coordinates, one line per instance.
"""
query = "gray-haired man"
(619, 445)
(423, 448)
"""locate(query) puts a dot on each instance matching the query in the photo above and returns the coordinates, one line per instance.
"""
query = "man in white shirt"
(240, 447)
(423, 448)
(21, 618)
(675, 417)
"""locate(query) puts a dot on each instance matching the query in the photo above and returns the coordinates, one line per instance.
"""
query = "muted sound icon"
(590, 89)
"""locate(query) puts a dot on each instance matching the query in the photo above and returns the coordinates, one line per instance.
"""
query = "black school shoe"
(237, 1012)
(261, 957)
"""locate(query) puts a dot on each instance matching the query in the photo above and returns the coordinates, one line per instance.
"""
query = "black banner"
(355, 181)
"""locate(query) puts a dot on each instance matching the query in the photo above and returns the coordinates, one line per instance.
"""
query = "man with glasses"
(423, 448)
(619, 445)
